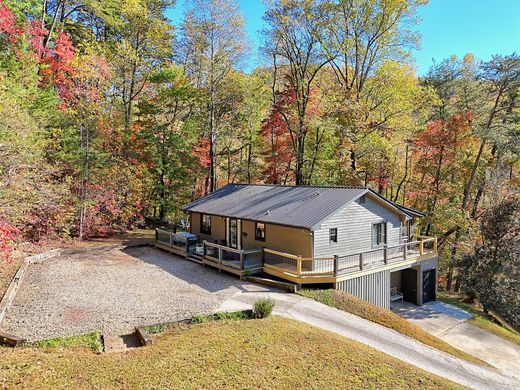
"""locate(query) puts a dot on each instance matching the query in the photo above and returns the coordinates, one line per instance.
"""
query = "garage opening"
(403, 286)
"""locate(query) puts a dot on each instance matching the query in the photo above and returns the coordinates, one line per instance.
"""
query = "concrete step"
(121, 343)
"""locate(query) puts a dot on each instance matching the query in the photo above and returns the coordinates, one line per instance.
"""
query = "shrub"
(263, 308)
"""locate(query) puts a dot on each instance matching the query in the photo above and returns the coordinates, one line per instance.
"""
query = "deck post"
(385, 255)
(405, 252)
(219, 259)
(241, 260)
(435, 245)
(156, 235)
(361, 261)
(171, 240)
(203, 252)
(336, 264)
(421, 248)
(299, 266)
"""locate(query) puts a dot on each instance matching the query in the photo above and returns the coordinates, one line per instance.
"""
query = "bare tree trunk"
(212, 140)
(250, 151)
(396, 197)
(84, 140)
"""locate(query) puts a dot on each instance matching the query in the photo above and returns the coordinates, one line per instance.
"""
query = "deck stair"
(272, 281)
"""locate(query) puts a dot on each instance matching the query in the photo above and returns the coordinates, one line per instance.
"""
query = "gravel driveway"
(113, 290)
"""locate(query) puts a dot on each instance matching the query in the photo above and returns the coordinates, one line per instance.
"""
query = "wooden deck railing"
(174, 242)
(232, 259)
(293, 267)
(297, 268)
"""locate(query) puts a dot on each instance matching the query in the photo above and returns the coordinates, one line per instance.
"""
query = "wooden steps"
(271, 281)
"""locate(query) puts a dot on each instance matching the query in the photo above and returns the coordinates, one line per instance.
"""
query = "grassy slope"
(479, 319)
(351, 304)
(274, 352)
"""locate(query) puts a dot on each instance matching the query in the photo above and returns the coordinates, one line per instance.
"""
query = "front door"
(409, 285)
(233, 233)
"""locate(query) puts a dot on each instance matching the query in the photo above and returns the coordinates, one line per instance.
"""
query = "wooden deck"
(298, 269)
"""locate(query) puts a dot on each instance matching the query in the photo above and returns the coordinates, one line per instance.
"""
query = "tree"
(279, 156)
(213, 42)
(165, 142)
(489, 92)
(143, 43)
(491, 274)
(359, 36)
(294, 45)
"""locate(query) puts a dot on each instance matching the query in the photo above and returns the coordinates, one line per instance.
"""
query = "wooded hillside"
(112, 117)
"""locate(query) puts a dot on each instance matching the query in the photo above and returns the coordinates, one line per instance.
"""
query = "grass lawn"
(268, 353)
(351, 304)
(480, 319)
(89, 340)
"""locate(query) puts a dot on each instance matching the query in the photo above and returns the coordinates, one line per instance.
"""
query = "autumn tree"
(359, 37)
(279, 156)
(165, 141)
(213, 42)
(295, 48)
(491, 273)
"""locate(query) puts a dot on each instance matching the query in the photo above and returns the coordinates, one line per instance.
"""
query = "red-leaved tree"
(277, 138)
(8, 236)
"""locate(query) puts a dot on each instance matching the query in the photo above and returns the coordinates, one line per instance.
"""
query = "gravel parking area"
(113, 290)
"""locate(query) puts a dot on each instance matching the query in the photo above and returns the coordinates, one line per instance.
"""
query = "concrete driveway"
(449, 323)
(379, 337)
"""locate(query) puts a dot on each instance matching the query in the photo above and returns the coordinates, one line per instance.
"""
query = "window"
(205, 223)
(333, 235)
(378, 234)
(260, 231)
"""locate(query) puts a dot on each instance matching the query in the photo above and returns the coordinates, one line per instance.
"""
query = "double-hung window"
(378, 234)
(205, 223)
(333, 235)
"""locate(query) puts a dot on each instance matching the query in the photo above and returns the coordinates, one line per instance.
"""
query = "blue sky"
(481, 27)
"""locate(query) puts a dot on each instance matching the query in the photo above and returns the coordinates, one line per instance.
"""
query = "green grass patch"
(480, 319)
(155, 329)
(346, 302)
(235, 315)
(270, 353)
(90, 341)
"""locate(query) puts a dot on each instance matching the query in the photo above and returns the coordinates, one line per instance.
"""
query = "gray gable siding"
(354, 224)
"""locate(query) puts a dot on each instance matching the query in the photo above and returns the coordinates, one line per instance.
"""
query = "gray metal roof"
(301, 206)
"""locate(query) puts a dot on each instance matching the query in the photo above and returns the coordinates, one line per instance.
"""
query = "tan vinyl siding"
(218, 227)
(296, 241)
(354, 224)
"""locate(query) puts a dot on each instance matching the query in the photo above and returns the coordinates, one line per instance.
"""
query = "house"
(349, 237)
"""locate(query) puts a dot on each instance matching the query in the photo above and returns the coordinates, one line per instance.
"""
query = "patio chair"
(395, 295)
